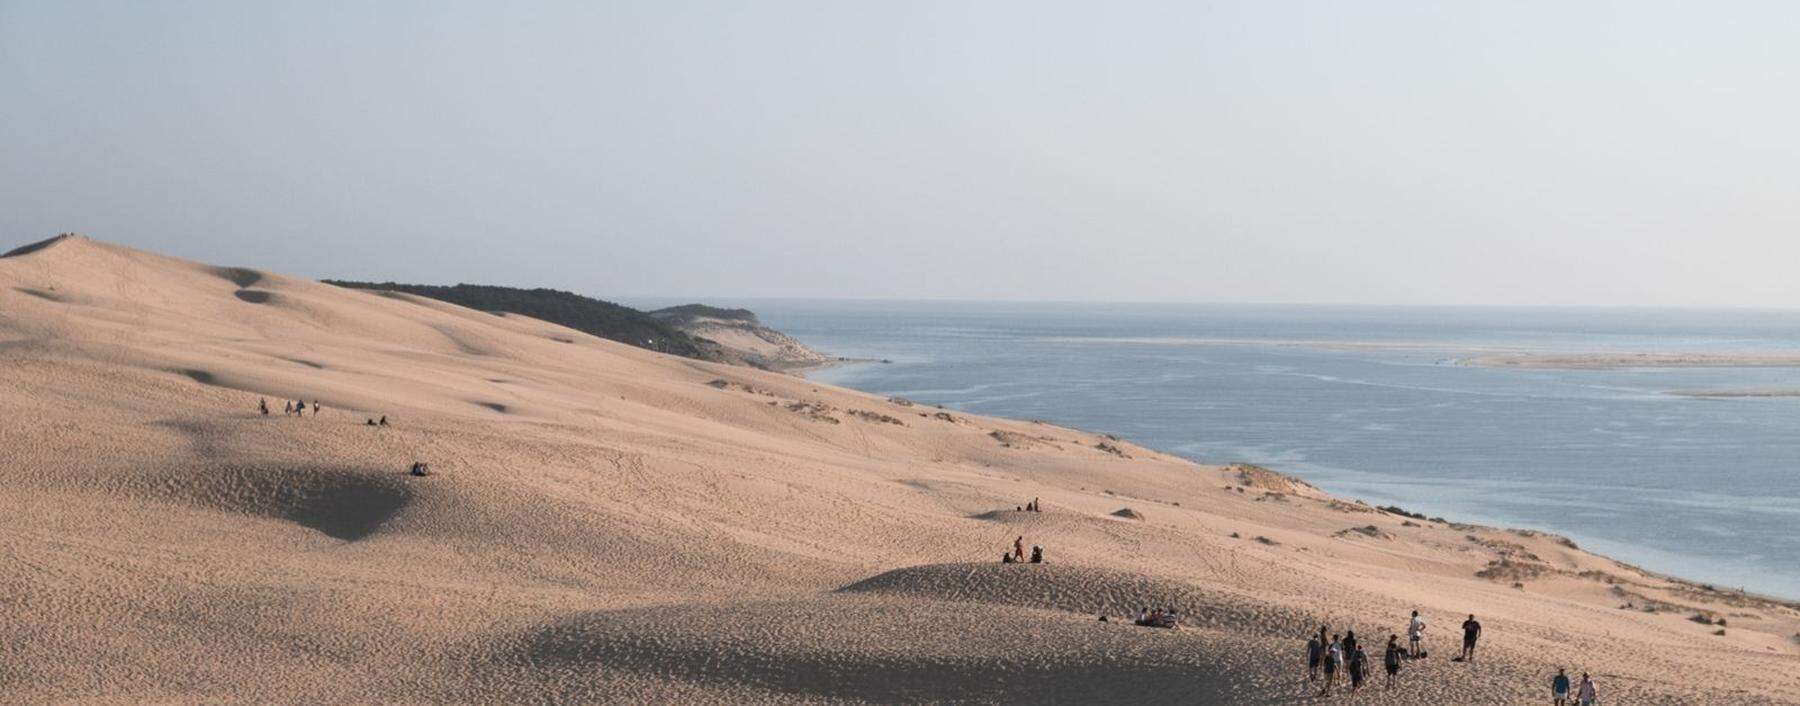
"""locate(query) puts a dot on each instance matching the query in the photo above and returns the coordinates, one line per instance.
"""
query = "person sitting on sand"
(1315, 652)
(420, 468)
(1019, 548)
(1334, 657)
(1471, 633)
(1037, 554)
(263, 405)
(1143, 617)
(383, 420)
(1559, 688)
(1359, 665)
(371, 422)
(1006, 557)
(1391, 660)
(1587, 694)
(1415, 634)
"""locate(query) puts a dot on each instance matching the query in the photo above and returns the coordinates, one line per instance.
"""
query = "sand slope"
(612, 524)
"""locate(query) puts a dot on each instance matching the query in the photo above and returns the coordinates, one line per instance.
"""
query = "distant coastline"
(1611, 361)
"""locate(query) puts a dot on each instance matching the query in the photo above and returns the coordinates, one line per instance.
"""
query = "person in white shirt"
(1586, 693)
(1334, 661)
(1415, 633)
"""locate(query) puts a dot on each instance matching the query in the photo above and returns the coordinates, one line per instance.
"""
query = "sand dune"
(609, 524)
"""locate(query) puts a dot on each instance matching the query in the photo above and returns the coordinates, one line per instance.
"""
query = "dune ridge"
(611, 524)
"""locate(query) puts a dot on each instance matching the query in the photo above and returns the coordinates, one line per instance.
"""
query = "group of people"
(1017, 555)
(1161, 618)
(1029, 507)
(295, 408)
(1342, 654)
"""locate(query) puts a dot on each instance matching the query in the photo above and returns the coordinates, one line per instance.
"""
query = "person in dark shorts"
(1359, 667)
(1334, 658)
(1349, 643)
(1559, 688)
(1415, 634)
(1315, 652)
(1391, 660)
(1471, 633)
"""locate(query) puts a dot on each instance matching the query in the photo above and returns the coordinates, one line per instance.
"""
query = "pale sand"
(1739, 392)
(609, 524)
(1606, 361)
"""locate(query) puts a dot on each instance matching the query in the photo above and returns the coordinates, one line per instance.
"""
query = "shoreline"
(1507, 527)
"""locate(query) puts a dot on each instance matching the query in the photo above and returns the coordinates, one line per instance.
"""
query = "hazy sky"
(1377, 152)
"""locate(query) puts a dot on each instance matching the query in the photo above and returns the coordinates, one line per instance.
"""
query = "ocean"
(1371, 403)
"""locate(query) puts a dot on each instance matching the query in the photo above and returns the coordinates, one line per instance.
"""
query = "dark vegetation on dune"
(690, 312)
(593, 316)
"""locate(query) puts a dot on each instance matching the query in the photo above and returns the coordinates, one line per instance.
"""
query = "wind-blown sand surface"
(609, 524)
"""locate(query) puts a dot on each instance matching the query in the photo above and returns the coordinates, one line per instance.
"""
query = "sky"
(1501, 153)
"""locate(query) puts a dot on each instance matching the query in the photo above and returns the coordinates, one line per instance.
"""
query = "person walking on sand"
(1315, 651)
(1471, 633)
(1391, 659)
(287, 407)
(1359, 665)
(1587, 694)
(1334, 658)
(1559, 688)
(1349, 643)
(1019, 549)
(315, 408)
(262, 404)
(1415, 634)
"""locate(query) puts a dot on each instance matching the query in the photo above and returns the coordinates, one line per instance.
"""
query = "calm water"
(1704, 488)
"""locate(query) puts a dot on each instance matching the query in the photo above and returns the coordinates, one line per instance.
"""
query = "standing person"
(315, 408)
(1391, 660)
(1559, 688)
(262, 403)
(1587, 693)
(1349, 643)
(287, 407)
(1334, 658)
(1415, 634)
(1315, 651)
(1359, 665)
(1019, 549)
(1471, 633)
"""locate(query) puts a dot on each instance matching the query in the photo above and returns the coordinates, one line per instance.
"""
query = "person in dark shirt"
(1391, 660)
(1359, 666)
(1471, 632)
(1559, 688)
(1315, 652)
